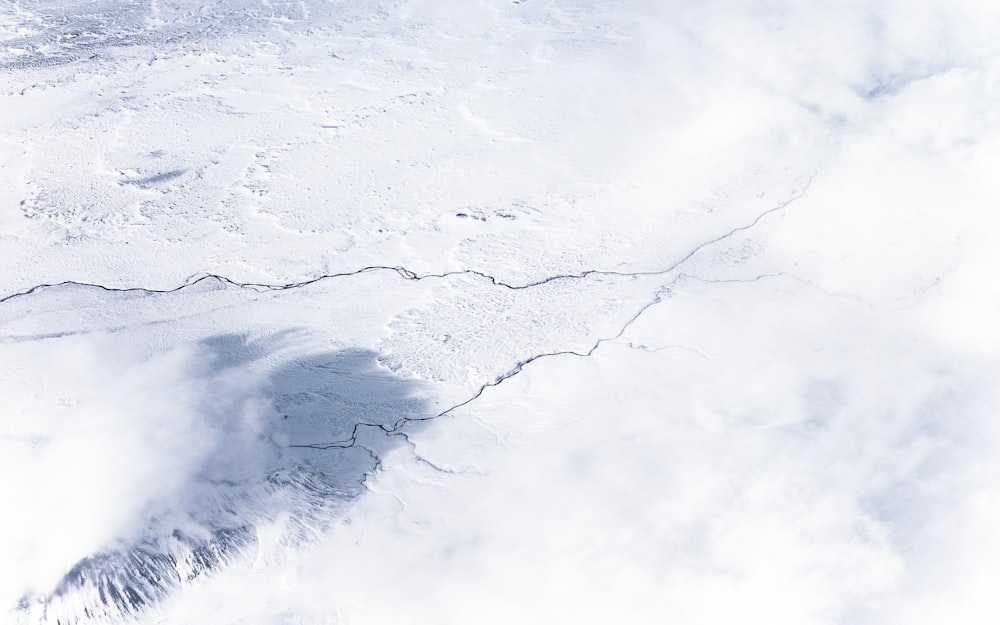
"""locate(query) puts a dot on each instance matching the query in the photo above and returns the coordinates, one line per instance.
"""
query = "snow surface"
(543, 311)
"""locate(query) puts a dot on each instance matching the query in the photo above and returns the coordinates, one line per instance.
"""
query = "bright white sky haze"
(543, 311)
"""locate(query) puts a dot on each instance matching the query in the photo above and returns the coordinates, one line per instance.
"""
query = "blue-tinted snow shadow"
(274, 476)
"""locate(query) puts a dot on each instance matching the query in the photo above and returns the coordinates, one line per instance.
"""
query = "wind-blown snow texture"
(535, 311)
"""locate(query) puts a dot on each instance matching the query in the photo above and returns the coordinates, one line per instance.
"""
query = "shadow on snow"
(261, 491)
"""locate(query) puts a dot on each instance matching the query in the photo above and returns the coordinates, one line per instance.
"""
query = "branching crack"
(395, 429)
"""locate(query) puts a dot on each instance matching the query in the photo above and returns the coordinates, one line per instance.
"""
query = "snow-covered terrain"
(534, 311)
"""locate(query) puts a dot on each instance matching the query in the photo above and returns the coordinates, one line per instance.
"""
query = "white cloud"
(107, 436)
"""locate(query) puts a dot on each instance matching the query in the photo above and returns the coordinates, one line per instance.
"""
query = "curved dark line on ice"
(408, 274)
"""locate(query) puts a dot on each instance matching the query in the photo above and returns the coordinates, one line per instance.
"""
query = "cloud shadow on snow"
(254, 493)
